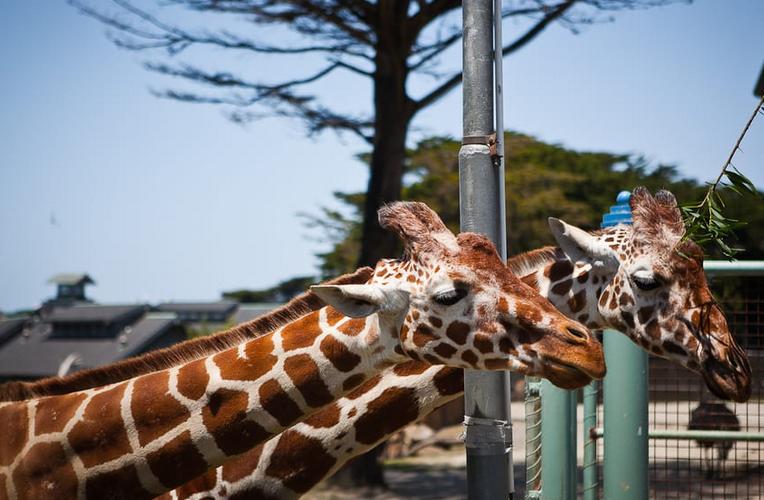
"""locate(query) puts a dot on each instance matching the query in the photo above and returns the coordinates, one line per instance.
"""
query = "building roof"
(35, 354)
(10, 327)
(71, 279)
(90, 313)
(223, 306)
(247, 312)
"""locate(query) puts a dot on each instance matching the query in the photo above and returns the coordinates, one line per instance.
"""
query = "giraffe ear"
(579, 245)
(358, 301)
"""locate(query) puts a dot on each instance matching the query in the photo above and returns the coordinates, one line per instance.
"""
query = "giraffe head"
(649, 283)
(451, 300)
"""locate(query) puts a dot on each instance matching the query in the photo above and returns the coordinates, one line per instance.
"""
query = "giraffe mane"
(177, 354)
(522, 264)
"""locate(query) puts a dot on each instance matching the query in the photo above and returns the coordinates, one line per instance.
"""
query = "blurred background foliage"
(542, 180)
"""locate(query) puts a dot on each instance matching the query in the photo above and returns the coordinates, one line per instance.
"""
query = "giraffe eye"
(646, 283)
(450, 297)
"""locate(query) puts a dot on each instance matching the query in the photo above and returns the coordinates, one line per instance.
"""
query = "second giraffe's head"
(451, 300)
(648, 282)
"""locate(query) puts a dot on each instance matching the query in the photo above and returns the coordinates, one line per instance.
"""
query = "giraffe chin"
(566, 376)
(725, 383)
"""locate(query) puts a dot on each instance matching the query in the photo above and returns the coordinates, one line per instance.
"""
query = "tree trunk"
(393, 112)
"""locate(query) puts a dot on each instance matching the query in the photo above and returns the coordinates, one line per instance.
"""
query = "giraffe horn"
(417, 225)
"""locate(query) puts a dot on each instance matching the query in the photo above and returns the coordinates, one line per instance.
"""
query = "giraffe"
(575, 278)
(449, 301)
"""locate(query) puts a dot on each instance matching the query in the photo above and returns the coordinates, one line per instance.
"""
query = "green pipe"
(698, 435)
(625, 432)
(558, 443)
(734, 268)
(590, 442)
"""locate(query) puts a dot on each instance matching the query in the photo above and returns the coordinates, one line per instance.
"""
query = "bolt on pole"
(488, 431)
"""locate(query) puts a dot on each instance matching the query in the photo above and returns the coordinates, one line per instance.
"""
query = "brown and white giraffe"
(449, 301)
(295, 461)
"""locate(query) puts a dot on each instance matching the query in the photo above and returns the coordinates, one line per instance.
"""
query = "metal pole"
(488, 432)
(590, 441)
(626, 401)
(532, 438)
(697, 435)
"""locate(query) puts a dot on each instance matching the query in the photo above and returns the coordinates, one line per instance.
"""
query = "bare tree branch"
(519, 43)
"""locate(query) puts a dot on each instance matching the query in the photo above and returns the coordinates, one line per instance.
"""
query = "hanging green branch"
(705, 221)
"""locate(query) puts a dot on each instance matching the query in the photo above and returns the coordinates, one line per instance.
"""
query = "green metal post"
(625, 402)
(590, 441)
(626, 425)
(558, 443)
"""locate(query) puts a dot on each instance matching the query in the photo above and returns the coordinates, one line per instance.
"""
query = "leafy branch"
(705, 221)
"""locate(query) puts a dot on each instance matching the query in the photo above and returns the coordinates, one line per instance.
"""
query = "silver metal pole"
(488, 432)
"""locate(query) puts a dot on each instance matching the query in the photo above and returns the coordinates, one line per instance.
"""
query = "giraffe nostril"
(578, 333)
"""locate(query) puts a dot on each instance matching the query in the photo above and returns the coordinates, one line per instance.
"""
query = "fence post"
(625, 401)
(488, 432)
(558, 443)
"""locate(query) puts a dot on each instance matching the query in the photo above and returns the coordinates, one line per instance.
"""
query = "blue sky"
(161, 200)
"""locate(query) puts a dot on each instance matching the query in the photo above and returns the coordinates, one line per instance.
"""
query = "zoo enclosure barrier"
(696, 445)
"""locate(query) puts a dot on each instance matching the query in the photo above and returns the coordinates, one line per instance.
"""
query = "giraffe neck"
(287, 465)
(149, 434)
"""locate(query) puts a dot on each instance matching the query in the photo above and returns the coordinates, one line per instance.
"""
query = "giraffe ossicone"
(449, 301)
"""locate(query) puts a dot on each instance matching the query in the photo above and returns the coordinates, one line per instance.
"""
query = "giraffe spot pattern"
(326, 417)
(449, 381)
(352, 327)
(422, 335)
(577, 302)
(507, 346)
(121, 483)
(457, 331)
(300, 333)
(153, 409)
(305, 375)
(496, 364)
(340, 356)
(100, 434)
(333, 316)
(483, 343)
(364, 387)
(226, 420)
(409, 368)
(645, 313)
(562, 287)
(352, 381)
(444, 350)
(234, 470)
(628, 318)
(260, 360)
(435, 321)
(45, 472)
(391, 410)
(559, 270)
(15, 422)
(54, 413)
(193, 379)
(176, 461)
(470, 357)
(287, 464)
(277, 402)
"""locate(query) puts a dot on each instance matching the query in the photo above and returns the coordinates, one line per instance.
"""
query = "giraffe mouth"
(726, 383)
(566, 376)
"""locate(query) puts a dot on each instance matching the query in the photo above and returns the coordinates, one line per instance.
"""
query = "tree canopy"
(542, 180)
(398, 47)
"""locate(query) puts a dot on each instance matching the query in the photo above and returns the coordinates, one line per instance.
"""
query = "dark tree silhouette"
(385, 42)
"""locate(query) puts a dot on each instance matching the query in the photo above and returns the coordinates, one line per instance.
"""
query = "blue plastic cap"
(620, 213)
